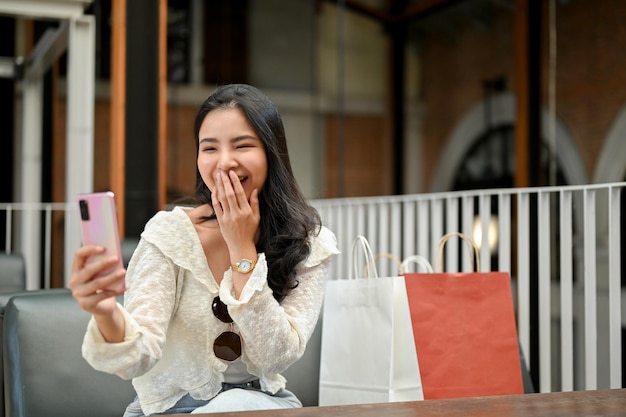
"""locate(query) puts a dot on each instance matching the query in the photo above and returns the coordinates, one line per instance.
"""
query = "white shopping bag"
(368, 351)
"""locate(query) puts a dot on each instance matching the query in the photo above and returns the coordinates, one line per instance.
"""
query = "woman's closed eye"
(208, 145)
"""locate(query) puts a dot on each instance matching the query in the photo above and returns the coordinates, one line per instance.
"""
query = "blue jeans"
(232, 397)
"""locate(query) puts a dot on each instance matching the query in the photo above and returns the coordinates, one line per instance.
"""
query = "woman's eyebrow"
(243, 137)
(233, 140)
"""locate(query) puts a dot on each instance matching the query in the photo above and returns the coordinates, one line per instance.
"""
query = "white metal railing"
(28, 230)
(572, 236)
(563, 241)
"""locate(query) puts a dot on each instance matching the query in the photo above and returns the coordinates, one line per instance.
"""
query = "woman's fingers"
(90, 261)
(230, 192)
(238, 218)
(91, 281)
(254, 203)
(239, 198)
(95, 296)
(226, 188)
(221, 184)
(83, 253)
(96, 302)
(102, 283)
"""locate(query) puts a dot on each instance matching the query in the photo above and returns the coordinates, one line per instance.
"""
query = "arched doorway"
(472, 127)
(490, 161)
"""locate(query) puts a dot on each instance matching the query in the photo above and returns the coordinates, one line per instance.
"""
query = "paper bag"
(368, 351)
(465, 333)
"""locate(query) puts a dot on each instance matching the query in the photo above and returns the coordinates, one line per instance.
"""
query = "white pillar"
(29, 177)
(80, 125)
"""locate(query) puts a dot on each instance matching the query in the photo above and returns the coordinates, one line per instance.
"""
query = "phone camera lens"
(84, 210)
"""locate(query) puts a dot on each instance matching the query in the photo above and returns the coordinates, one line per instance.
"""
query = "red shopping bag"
(465, 333)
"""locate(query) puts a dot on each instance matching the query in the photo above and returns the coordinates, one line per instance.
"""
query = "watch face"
(244, 265)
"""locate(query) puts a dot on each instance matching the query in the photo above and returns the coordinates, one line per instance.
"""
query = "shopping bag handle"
(419, 260)
(378, 256)
(360, 242)
(470, 245)
(402, 265)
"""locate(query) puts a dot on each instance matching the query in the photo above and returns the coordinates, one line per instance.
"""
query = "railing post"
(544, 286)
(591, 348)
(615, 320)
(566, 278)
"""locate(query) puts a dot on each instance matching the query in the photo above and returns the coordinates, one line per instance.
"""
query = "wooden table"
(607, 403)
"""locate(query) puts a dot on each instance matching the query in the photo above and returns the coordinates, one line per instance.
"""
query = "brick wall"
(590, 77)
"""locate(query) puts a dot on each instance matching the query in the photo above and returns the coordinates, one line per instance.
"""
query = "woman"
(222, 297)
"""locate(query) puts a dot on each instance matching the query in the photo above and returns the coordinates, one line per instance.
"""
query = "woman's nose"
(227, 161)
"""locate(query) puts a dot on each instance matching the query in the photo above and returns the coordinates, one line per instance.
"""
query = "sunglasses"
(227, 346)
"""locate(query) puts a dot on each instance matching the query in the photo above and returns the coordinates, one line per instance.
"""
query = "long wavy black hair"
(287, 220)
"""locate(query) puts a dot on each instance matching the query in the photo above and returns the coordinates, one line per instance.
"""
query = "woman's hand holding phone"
(98, 225)
(90, 282)
(90, 287)
(98, 270)
(98, 273)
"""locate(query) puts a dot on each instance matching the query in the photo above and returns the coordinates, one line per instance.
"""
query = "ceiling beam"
(48, 9)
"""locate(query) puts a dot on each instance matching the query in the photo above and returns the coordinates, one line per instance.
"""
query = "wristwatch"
(244, 266)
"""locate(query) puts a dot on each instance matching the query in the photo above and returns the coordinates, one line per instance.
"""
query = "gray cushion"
(44, 371)
(303, 376)
(4, 299)
(12, 272)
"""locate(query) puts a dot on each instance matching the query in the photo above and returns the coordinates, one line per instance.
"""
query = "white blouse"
(170, 327)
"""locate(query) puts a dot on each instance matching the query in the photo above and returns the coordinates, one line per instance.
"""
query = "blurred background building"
(379, 97)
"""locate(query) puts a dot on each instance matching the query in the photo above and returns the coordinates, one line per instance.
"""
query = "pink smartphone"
(98, 215)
